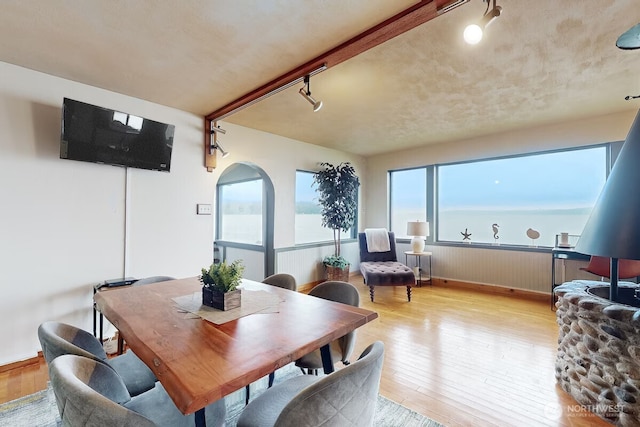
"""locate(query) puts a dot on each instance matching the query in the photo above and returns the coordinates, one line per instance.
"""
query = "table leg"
(327, 363)
(200, 419)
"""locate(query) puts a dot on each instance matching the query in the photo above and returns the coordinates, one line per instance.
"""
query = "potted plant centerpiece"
(219, 285)
(337, 187)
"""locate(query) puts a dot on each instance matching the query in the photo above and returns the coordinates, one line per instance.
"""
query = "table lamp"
(613, 229)
(419, 230)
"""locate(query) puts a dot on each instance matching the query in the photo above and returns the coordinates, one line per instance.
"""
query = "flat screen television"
(100, 135)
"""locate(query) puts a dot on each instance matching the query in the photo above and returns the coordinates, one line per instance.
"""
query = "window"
(498, 200)
(408, 198)
(241, 211)
(308, 219)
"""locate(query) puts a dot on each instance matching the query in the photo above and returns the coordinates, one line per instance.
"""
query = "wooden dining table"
(199, 362)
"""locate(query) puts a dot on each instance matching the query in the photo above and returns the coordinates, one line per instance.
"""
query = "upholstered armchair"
(58, 339)
(345, 398)
(90, 393)
(383, 268)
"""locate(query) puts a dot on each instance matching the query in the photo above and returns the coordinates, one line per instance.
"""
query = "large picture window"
(241, 211)
(497, 201)
(308, 219)
(408, 198)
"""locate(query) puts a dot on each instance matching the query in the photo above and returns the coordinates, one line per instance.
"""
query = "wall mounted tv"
(95, 134)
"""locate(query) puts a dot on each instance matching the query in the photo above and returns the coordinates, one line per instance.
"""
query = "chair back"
(282, 280)
(152, 279)
(89, 393)
(346, 397)
(58, 338)
(344, 293)
(601, 266)
(366, 256)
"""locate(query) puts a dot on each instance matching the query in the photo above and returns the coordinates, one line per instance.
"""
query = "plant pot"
(221, 301)
(337, 273)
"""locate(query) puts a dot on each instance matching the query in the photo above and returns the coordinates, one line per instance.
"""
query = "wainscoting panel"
(498, 267)
(253, 262)
(305, 262)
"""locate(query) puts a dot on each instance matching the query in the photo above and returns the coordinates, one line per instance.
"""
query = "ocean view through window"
(308, 220)
(241, 211)
(498, 200)
(408, 198)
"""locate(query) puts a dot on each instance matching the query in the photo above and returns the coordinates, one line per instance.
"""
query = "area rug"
(40, 410)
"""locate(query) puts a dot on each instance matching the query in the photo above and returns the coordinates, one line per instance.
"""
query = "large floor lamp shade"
(418, 230)
(613, 229)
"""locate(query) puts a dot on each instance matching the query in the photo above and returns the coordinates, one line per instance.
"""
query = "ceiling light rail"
(405, 20)
(272, 92)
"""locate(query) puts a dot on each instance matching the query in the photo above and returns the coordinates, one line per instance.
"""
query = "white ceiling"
(542, 61)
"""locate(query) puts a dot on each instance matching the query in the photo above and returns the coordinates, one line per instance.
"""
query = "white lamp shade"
(419, 230)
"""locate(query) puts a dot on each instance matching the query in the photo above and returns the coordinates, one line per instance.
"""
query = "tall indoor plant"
(337, 188)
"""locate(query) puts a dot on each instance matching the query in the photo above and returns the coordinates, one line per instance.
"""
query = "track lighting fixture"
(306, 93)
(215, 145)
(473, 33)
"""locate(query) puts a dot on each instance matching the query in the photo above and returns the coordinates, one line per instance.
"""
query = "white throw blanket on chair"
(377, 239)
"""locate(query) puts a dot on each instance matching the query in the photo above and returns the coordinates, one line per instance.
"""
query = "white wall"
(62, 222)
(280, 157)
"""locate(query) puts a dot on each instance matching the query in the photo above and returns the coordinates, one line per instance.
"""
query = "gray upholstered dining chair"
(341, 348)
(90, 393)
(280, 280)
(346, 397)
(58, 339)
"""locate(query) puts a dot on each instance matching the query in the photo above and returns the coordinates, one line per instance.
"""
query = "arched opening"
(245, 201)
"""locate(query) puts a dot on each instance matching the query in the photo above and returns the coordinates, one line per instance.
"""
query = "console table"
(419, 256)
(563, 254)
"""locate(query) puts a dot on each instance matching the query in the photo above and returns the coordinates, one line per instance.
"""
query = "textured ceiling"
(540, 62)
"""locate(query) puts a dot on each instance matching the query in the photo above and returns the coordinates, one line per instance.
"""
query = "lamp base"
(417, 245)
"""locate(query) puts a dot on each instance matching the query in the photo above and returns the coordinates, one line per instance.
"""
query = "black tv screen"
(95, 134)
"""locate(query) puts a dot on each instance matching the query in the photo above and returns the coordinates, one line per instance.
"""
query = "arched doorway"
(245, 202)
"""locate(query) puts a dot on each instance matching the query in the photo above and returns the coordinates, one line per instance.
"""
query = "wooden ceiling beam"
(402, 22)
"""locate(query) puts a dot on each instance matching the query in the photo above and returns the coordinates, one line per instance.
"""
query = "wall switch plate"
(204, 209)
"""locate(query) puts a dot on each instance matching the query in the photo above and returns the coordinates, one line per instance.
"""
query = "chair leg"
(409, 293)
(371, 292)
(272, 377)
(120, 344)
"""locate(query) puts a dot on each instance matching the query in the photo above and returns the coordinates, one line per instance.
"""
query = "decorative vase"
(337, 273)
(221, 301)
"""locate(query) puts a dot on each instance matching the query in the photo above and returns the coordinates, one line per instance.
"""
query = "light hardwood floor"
(458, 356)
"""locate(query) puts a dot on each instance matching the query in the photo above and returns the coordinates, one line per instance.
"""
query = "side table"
(419, 256)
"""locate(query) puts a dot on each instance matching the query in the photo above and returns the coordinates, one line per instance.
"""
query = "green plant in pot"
(337, 188)
(220, 285)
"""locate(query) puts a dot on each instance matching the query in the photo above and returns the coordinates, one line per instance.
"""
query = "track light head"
(305, 91)
(474, 32)
(316, 104)
(217, 146)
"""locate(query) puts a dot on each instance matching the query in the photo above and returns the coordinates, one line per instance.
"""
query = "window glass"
(498, 201)
(241, 211)
(308, 219)
(408, 198)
